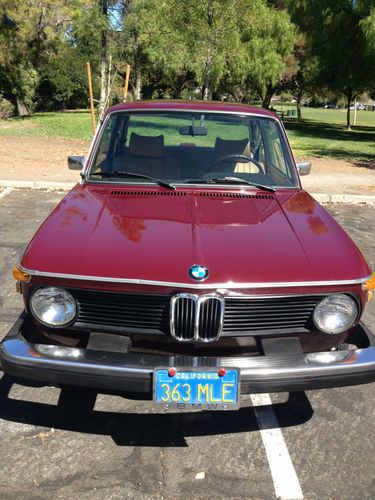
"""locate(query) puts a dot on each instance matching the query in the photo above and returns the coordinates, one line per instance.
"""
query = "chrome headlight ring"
(53, 306)
(336, 313)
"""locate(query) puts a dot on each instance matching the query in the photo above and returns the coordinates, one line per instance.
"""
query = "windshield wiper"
(231, 180)
(118, 173)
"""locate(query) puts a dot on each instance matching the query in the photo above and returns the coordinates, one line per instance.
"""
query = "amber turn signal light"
(20, 275)
(369, 286)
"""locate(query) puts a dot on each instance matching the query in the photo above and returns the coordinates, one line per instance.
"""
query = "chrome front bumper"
(56, 365)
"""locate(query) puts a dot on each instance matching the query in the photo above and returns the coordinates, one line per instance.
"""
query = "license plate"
(196, 389)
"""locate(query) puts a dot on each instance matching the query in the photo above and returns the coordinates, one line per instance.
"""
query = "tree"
(207, 28)
(101, 19)
(153, 48)
(305, 76)
(230, 45)
(63, 82)
(268, 36)
(30, 34)
(336, 32)
(44, 47)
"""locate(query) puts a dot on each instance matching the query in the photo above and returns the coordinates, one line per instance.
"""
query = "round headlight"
(53, 306)
(335, 314)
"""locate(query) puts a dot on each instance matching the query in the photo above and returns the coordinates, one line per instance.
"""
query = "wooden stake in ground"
(91, 97)
(126, 86)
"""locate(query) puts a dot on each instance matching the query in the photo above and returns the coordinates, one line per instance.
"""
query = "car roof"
(177, 105)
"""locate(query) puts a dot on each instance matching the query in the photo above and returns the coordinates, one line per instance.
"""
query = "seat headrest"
(224, 147)
(141, 145)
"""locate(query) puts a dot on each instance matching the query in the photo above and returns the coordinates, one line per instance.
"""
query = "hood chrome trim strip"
(213, 286)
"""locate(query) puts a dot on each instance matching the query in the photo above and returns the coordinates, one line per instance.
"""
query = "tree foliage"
(268, 36)
(31, 33)
(209, 33)
(226, 49)
(341, 38)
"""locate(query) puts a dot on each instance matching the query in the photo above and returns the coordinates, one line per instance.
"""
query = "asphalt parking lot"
(80, 444)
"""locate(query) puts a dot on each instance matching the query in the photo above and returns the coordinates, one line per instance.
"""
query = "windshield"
(192, 148)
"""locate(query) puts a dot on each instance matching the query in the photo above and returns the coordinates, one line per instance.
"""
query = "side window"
(276, 153)
(105, 143)
(256, 142)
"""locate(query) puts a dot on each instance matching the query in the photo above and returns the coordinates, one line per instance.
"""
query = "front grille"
(128, 311)
(267, 314)
(153, 313)
(196, 317)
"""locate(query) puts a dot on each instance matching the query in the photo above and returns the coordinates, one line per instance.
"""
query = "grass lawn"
(322, 133)
(67, 125)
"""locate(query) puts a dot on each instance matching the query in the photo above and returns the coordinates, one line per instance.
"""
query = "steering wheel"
(239, 157)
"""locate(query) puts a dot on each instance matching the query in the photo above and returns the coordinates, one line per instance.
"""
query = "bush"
(6, 108)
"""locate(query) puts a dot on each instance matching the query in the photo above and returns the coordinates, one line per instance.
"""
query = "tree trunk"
(138, 83)
(299, 109)
(299, 112)
(206, 89)
(206, 81)
(178, 87)
(148, 91)
(349, 101)
(22, 109)
(266, 100)
(103, 61)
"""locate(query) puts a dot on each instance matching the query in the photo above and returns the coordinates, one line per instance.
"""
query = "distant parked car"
(189, 264)
(331, 105)
(359, 106)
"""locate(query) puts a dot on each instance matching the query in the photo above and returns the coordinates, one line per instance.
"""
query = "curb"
(353, 199)
(50, 186)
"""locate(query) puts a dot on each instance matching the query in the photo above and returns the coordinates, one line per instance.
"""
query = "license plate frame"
(197, 406)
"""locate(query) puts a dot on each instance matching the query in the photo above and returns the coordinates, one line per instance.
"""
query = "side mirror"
(76, 162)
(304, 167)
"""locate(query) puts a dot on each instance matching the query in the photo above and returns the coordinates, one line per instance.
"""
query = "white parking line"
(284, 476)
(5, 192)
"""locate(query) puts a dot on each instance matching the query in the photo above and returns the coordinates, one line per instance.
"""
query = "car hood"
(241, 236)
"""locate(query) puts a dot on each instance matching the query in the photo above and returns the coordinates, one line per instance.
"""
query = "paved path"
(361, 182)
(75, 444)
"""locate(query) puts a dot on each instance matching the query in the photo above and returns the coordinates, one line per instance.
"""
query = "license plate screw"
(172, 372)
(222, 372)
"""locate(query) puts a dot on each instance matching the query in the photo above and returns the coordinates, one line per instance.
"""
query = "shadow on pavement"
(75, 412)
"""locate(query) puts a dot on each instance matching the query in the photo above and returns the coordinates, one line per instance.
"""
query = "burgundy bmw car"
(188, 264)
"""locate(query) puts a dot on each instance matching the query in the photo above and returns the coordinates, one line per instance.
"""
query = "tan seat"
(147, 156)
(224, 147)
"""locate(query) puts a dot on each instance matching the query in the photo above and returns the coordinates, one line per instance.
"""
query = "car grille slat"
(118, 309)
(268, 313)
(269, 307)
(153, 312)
(114, 313)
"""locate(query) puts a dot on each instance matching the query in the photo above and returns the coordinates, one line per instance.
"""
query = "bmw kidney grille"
(196, 317)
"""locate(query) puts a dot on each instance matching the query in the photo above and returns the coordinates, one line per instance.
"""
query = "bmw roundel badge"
(198, 272)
